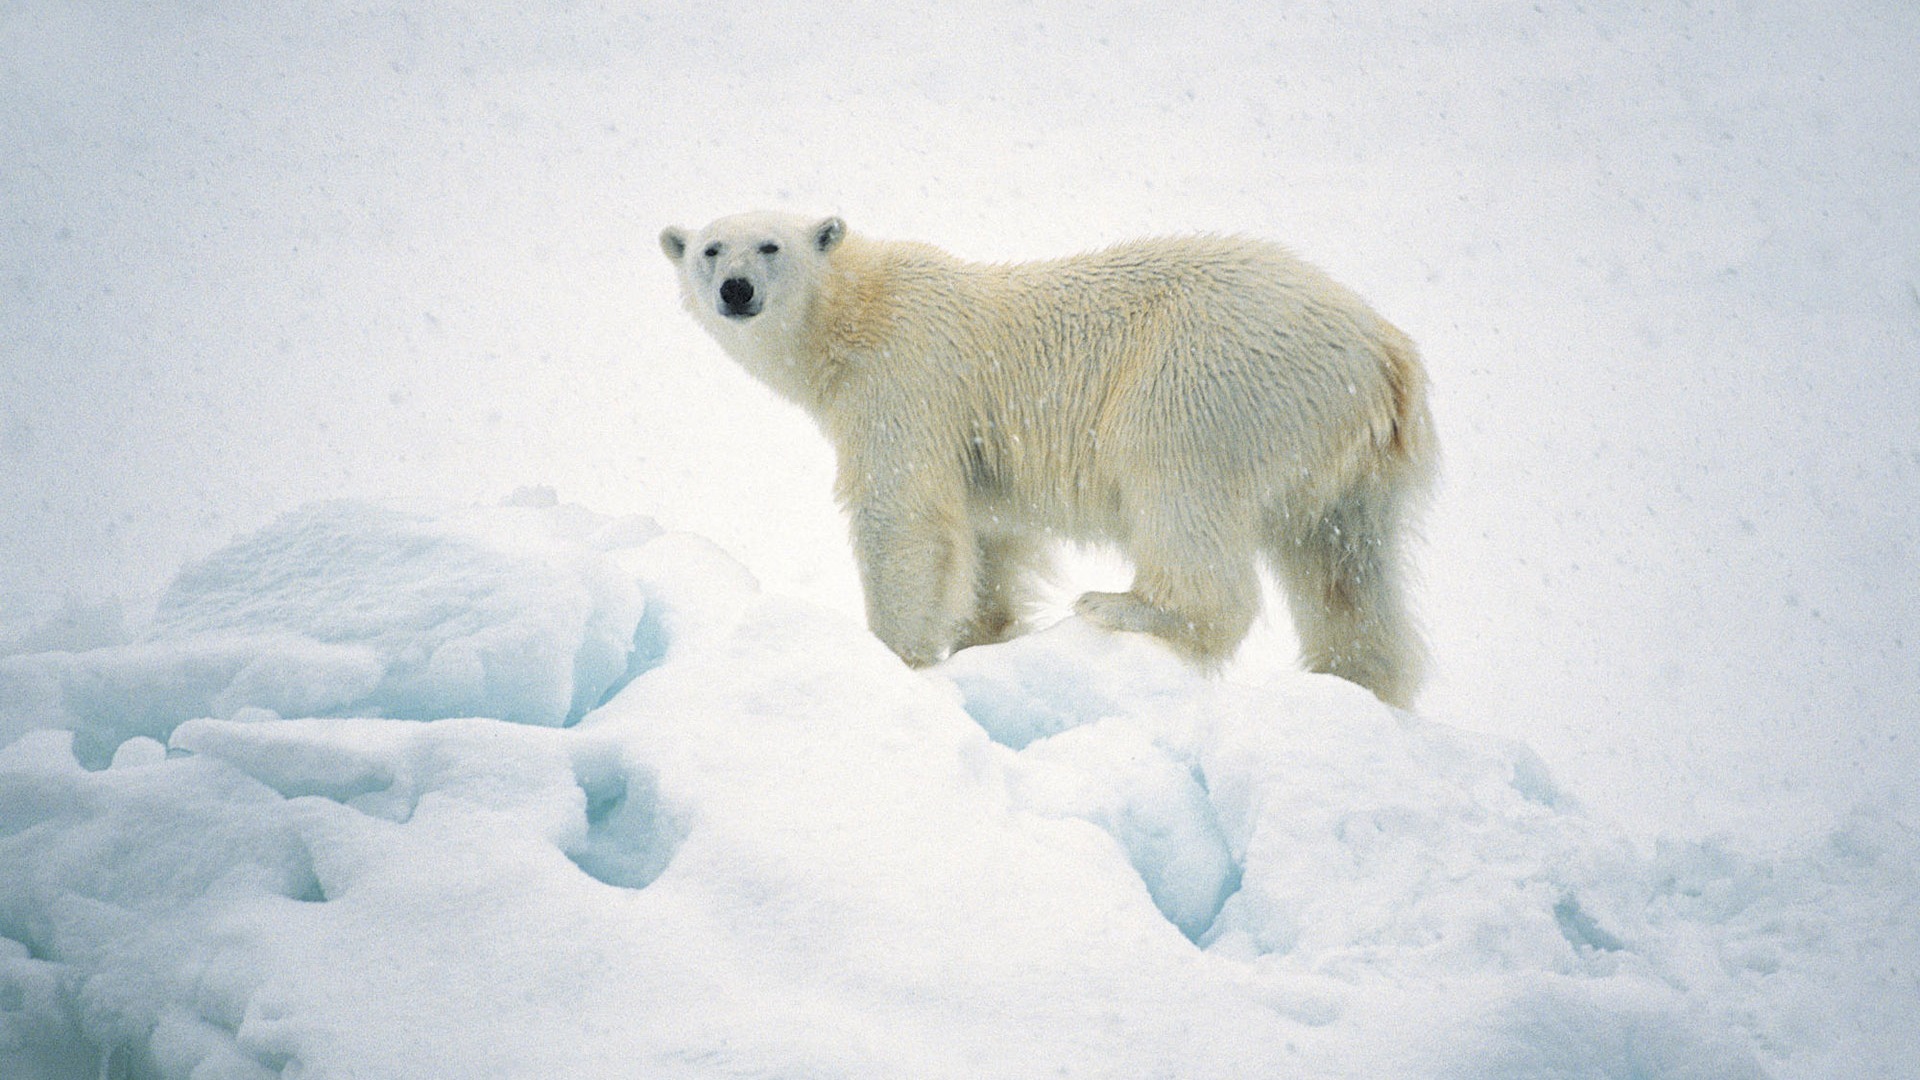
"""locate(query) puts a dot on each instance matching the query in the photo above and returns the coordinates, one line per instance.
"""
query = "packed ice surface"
(776, 851)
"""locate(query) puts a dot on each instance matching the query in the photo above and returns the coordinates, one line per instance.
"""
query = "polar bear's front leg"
(1007, 560)
(919, 573)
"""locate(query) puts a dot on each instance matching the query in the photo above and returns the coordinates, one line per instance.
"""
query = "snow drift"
(529, 792)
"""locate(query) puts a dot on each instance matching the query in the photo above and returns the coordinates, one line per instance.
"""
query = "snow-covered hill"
(587, 802)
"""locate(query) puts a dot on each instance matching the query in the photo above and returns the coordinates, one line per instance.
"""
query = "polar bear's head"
(751, 268)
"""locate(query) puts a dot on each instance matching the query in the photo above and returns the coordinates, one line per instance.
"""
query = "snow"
(775, 850)
(352, 609)
(320, 758)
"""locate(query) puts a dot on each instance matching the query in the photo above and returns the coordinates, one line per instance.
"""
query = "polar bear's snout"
(737, 300)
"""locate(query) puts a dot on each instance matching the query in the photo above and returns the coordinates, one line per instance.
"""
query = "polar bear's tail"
(1409, 443)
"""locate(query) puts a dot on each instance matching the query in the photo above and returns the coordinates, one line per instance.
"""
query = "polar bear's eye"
(769, 249)
(713, 251)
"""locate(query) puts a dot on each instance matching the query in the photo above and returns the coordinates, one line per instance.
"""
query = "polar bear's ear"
(673, 241)
(828, 234)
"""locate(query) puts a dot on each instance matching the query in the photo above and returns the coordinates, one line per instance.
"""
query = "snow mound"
(1436, 835)
(350, 609)
(768, 848)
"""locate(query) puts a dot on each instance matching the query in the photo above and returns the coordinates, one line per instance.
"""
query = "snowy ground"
(587, 800)
(775, 851)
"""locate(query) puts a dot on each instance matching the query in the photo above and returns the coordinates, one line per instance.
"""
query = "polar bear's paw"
(1127, 611)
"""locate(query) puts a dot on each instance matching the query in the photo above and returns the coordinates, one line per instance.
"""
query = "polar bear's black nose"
(736, 293)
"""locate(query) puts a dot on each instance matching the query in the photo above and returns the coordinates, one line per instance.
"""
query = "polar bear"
(1197, 402)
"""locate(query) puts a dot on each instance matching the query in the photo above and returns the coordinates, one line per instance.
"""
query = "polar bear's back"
(1204, 361)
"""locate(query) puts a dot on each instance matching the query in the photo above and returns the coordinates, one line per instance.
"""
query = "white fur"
(1198, 402)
